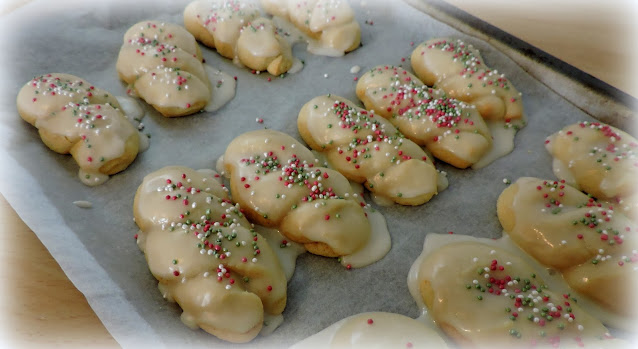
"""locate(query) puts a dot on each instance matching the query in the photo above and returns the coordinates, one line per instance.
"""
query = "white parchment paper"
(95, 247)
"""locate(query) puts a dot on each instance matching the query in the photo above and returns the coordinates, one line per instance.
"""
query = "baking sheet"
(95, 247)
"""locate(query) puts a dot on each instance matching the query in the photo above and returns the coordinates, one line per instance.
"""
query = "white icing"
(317, 48)
(145, 142)
(91, 178)
(271, 322)
(375, 330)
(381, 200)
(502, 143)
(131, 109)
(222, 88)
(219, 166)
(287, 255)
(83, 204)
(297, 65)
(562, 171)
(441, 181)
(378, 245)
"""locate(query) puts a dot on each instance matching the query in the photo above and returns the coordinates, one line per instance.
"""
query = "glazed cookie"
(205, 254)
(162, 64)
(458, 69)
(600, 160)
(375, 330)
(275, 180)
(592, 245)
(451, 130)
(367, 149)
(329, 24)
(46, 94)
(236, 30)
(483, 296)
(72, 116)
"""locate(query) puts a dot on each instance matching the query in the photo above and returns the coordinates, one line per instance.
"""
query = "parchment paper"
(95, 247)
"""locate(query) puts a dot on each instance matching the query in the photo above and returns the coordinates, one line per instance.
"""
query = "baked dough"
(276, 181)
(367, 149)
(205, 255)
(458, 69)
(453, 131)
(600, 160)
(329, 24)
(592, 245)
(163, 65)
(375, 330)
(72, 116)
(482, 296)
(236, 30)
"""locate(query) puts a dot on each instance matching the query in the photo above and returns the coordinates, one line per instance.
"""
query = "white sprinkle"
(254, 260)
(355, 69)
(325, 76)
(228, 287)
(83, 204)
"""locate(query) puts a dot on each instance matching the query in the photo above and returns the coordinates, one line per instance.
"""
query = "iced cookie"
(453, 131)
(162, 64)
(483, 296)
(329, 24)
(205, 255)
(72, 116)
(277, 183)
(600, 160)
(375, 330)
(458, 69)
(367, 149)
(592, 245)
(236, 30)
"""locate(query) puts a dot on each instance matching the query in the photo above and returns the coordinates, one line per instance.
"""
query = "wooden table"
(41, 306)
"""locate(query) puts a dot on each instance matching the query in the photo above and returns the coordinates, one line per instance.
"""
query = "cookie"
(238, 32)
(375, 330)
(162, 64)
(600, 160)
(453, 131)
(458, 69)
(483, 296)
(205, 254)
(330, 25)
(74, 117)
(367, 149)
(278, 183)
(589, 242)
